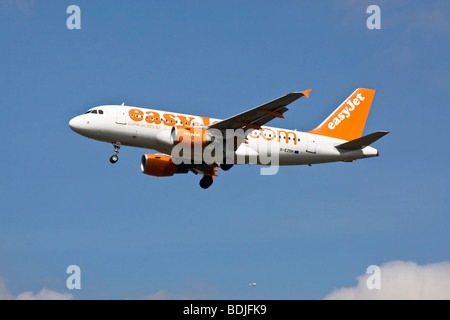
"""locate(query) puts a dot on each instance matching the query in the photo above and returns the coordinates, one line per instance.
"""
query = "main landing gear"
(225, 166)
(206, 181)
(114, 158)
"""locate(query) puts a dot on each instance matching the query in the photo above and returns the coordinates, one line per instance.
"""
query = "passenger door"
(311, 144)
(121, 115)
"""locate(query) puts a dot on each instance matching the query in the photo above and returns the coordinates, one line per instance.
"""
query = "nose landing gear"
(114, 158)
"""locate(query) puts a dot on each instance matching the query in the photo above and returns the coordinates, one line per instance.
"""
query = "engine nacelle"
(191, 136)
(164, 137)
(158, 165)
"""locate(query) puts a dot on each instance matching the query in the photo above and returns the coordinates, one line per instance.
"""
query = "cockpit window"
(94, 111)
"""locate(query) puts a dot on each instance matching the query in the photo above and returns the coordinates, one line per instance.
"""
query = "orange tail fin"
(348, 120)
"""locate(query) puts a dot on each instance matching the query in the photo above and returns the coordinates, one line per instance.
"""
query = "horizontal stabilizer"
(362, 142)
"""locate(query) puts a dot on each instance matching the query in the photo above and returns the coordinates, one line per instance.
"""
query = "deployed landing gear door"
(121, 115)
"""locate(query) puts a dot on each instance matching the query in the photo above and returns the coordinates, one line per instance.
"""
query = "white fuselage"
(139, 127)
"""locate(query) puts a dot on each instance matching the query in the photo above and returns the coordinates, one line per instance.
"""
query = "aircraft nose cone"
(75, 124)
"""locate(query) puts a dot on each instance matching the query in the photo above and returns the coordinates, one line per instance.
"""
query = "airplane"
(242, 138)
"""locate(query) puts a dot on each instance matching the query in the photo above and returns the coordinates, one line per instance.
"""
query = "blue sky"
(298, 234)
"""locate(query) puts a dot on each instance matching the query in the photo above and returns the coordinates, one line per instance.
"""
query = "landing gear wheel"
(226, 166)
(114, 159)
(206, 182)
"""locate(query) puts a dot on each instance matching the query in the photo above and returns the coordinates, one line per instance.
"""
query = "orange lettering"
(287, 136)
(268, 137)
(152, 117)
(255, 137)
(136, 114)
(206, 121)
(185, 121)
(169, 119)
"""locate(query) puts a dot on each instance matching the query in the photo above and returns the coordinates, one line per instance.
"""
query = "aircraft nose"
(75, 123)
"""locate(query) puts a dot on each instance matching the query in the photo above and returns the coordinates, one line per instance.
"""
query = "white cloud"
(402, 280)
(190, 289)
(4, 293)
(44, 294)
(161, 295)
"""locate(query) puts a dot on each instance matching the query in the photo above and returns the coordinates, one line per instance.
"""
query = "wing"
(256, 117)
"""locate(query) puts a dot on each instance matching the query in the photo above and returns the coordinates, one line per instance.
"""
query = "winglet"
(306, 93)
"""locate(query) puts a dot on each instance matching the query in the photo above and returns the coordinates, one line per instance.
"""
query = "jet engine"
(160, 166)
(191, 136)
